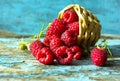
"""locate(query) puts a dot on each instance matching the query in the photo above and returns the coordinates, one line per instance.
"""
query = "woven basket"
(89, 26)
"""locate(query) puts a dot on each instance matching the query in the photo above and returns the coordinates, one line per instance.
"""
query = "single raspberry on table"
(70, 16)
(69, 37)
(35, 46)
(57, 27)
(45, 56)
(55, 43)
(77, 52)
(74, 26)
(99, 56)
(64, 55)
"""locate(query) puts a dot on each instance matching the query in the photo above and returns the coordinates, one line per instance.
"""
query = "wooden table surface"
(17, 65)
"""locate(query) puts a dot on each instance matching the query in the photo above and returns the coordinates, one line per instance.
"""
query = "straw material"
(89, 26)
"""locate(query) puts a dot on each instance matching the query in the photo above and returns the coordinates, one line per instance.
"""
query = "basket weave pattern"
(89, 25)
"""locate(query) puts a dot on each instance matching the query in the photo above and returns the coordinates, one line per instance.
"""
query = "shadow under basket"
(89, 26)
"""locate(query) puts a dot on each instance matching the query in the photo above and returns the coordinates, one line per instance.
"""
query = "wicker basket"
(89, 26)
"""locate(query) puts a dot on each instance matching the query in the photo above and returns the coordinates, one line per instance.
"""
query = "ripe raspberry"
(77, 52)
(35, 46)
(74, 26)
(70, 16)
(99, 56)
(45, 56)
(64, 55)
(57, 27)
(55, 43)
(69, 37)
(48, 39)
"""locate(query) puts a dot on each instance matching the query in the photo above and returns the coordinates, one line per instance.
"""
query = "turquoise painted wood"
(17, 65)
(27, 16)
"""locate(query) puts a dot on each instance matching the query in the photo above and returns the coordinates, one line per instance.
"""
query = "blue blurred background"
(27, 16)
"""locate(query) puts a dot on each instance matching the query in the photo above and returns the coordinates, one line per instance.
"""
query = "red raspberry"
(35, 46)
(77, 52)
(45, 56)
(53, 37)
(64, 55)
(48, 39)
(55, 43)
(57, 27)
(74, 26)
(69, 37)
(99, 56)
(70, 16)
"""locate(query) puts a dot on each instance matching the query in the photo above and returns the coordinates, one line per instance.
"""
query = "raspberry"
(35, 46)
(99, 56)
(45, 56)
(57, 22)
(77, 52)
(64, 55)
(54, 36)
(48, 39)
(55, 43)
(70, 16)
(57, 27)
(74, 26)
(69, 37)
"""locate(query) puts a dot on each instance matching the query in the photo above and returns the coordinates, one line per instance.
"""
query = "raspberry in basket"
(69, 37)
(57, 27)
(70, 16)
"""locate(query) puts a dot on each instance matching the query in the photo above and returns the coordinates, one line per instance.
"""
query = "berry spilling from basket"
(68, 37)
(60, 42)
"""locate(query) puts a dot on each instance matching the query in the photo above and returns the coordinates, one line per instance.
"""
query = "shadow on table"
(112, 61)
(115, 59)
(115, 50)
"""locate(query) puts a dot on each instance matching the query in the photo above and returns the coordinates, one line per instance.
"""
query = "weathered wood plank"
(21, 66)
